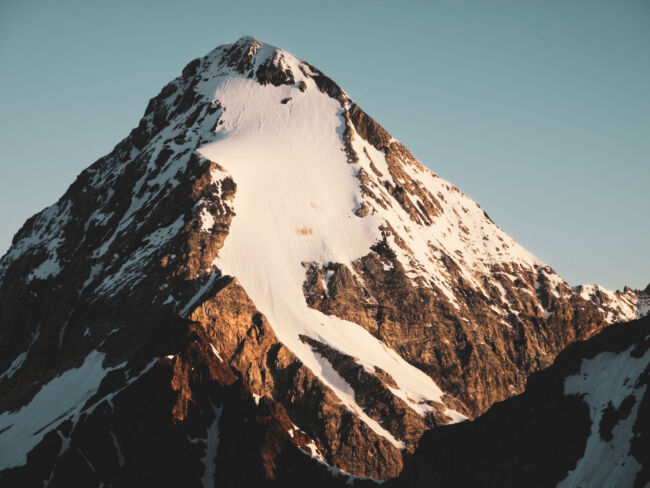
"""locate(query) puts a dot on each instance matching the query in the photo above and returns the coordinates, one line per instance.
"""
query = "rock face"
(582, 422)
(260, 271)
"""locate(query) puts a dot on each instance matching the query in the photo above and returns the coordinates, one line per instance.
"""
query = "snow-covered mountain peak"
(251, 58)
(247, 39)
(257, 202)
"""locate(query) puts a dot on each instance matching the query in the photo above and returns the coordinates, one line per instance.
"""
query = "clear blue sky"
(539, 110)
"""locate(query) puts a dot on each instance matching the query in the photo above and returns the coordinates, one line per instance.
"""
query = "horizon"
(587, 113)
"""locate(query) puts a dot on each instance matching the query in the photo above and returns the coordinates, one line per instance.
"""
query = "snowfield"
(295, 203)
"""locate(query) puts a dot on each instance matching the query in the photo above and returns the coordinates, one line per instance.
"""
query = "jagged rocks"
(245, 340)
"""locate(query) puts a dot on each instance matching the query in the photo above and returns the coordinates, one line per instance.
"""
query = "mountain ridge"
(258, 207)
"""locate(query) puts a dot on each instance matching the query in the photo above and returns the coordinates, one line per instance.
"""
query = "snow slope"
(58, 400)
(295, 200)
(608, 379)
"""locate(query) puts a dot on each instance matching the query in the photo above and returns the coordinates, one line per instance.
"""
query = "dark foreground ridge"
(537, 438)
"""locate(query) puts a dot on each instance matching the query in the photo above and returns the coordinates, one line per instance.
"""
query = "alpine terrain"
(259, 286)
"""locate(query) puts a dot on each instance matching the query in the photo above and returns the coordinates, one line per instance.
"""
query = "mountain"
(582, 422)
(260, 283)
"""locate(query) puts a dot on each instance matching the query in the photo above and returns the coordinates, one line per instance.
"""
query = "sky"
(538, 110)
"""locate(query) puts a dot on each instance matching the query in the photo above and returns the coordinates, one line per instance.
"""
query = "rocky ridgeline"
(186, 381)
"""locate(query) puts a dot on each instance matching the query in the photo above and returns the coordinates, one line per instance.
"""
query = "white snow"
(462, 230)
(94, 272)
(130, 380)
(215, 352)
(131, 270)
(643, 305)
(209, 458)
(617, 306)
(328, 277)
(206, 286)
(47, 235)
(20, 359)
(15, 365)
(315, 454)
(207, 220)
(61, 398)
(47, 269)
(455, 416)
(257, 398)
(118, 449)
(607, 377)
(557, 284)
(294, 203)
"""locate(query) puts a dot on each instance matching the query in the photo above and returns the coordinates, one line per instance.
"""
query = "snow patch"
(130, 271)
(607, 377)
(47, 269)
(209, 458)
(207, 220)
(62, 397)
(291, 173)
(215, 352)
(20, 359)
